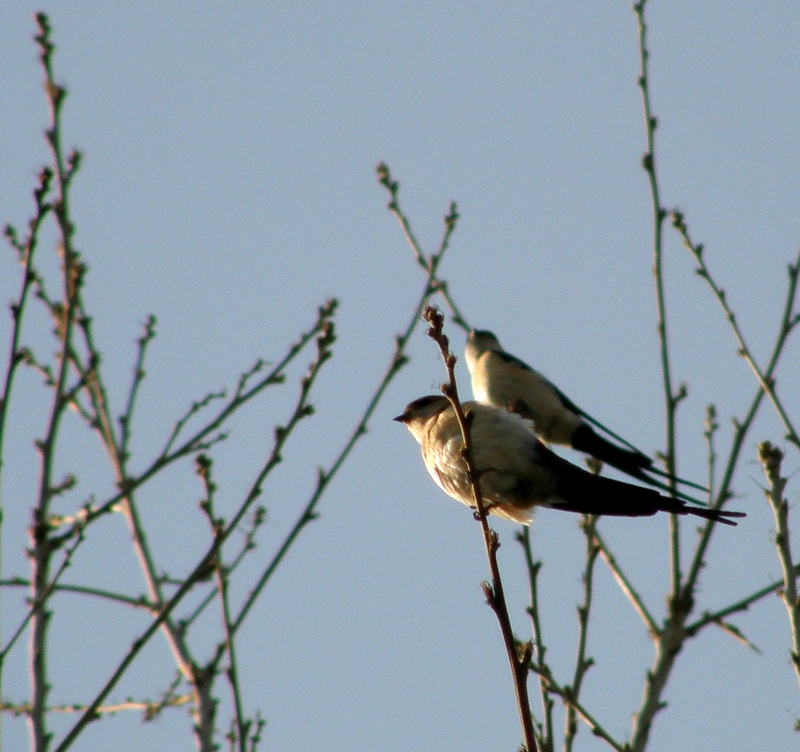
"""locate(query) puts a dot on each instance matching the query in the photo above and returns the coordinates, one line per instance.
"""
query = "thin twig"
(596, 727)
(201, 440)
(72, 272)
(36, 607)
(126, 419)
(428, 263)
(222, 574)
(26, 250)
(109, 595)
(150, 708)
(209, 559)
(790, 320)
(741, 605)
(248, 545)
(103, 424)
(742, 428)
(397, 361)
(582, 663)
(546, 739)
(671, 397)
(242, 724)
(710, 430)
(627, 586)
(669, 639)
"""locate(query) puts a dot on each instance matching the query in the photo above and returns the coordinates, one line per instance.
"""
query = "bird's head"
(480, 341)
(419, 412)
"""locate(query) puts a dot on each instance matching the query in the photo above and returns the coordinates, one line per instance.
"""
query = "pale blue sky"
(229, 187)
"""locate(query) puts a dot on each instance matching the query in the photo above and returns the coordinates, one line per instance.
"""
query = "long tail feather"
(645, 478)
(635, 464)
(717, 515)
(596, 494)
(665, 474)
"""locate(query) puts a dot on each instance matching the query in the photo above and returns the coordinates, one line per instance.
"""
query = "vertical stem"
(42, 549)
(668, 646)
(534, 567)
(671, 399)
(771, 458)
(15, 356)
(582, 663)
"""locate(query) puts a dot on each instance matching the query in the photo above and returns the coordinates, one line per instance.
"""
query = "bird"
(500, 379)
(516, 472)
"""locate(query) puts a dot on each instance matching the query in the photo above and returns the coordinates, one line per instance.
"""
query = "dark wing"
(581, 491)
(577, 490)
(631, 460)
(568, 403)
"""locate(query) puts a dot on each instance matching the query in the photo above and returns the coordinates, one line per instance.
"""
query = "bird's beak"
(401, 418)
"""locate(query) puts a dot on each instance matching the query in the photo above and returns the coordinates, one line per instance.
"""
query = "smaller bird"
(517, 472)
(500, 379)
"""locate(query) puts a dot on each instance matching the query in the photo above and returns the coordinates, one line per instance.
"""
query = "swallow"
(517, 472)
(500, 379)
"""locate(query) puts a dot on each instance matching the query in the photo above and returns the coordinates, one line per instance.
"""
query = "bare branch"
(429, 264)
(671, 397)
(397, 361)
(743, 604)
(627, 586)
(771, 458)
(518, 655)
(787, 323)
(565, 693)
(582, 662)
(546, 739)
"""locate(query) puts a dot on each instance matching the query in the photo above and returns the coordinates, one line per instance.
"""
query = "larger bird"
(517, 472)
(500, 379)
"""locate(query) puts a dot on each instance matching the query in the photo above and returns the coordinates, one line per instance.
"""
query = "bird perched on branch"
(517, 472)
(500, 379)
